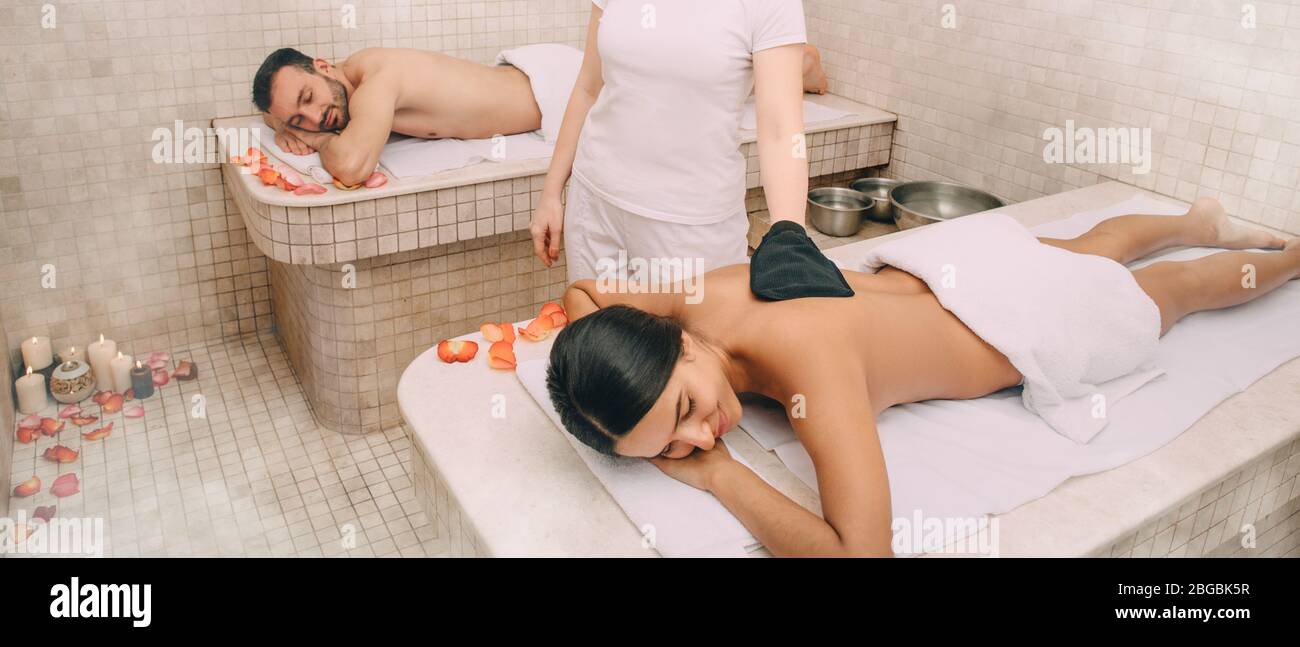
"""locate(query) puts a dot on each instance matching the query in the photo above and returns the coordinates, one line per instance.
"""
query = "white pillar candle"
(121, 367)
(37, 352)
(72, 353)
(31, 392)
(100, 354)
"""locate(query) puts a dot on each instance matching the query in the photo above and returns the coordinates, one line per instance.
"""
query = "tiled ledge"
(484, 199)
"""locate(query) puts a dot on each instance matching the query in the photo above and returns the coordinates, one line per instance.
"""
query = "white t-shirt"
(662, 139)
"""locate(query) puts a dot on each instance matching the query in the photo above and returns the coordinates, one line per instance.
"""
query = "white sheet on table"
(813, 113)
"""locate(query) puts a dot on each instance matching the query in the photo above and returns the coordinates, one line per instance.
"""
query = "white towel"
(309, 165)
(1077, 326)
(812, 113)
(684, 521)
(552, 70)
(409, 157)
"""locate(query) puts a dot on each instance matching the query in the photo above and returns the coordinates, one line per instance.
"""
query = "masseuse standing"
(651, 132)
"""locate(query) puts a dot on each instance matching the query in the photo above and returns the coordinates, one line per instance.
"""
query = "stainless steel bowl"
(878, 188)
(837, 211)
(923, 203)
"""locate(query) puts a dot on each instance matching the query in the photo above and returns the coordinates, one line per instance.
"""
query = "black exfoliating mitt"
(788, 265)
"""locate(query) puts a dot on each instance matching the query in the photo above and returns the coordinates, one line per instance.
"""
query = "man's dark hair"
(278, 59)
(608, 369)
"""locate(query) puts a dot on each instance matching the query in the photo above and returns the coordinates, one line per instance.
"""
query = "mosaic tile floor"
(254, 477)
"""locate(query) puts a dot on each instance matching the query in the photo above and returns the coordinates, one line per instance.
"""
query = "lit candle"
(100, 354)
(31, 392)
(37, 352)
(71, 354)
(121, 369)
(142, 381)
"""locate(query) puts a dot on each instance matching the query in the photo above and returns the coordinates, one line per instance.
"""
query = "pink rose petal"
(311, 188)
(376, 180)
(66, 485)
(161, 377)
(70, 411)
(136, 411)
(44, 513)
(291, 177)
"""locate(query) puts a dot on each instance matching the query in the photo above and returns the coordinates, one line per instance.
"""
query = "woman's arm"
(782, 155)
(839, 432)
(549, 220)
(587, 296)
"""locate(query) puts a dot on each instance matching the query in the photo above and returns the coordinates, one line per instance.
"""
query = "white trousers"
(600, 238)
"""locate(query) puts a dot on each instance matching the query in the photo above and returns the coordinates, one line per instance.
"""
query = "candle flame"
(101, 339)
(33, 340)
(29, 369)
(119, 354)
(137, 364)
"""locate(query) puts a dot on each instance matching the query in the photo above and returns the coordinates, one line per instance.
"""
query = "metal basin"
(923, 203)
(837, 211)
(878, 188)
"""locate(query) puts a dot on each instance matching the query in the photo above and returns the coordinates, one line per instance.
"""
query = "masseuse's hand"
(698, 469)
(547, 227)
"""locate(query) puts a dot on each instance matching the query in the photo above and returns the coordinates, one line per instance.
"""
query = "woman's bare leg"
(1128, 238)
(1216, 281)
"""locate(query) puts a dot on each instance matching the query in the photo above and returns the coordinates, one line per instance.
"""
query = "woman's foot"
(814, 77)
(1222, 232)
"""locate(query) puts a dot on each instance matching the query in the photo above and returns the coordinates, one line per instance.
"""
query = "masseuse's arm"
(839, 433)
(352, 155)
(548, 221)
(783, 163)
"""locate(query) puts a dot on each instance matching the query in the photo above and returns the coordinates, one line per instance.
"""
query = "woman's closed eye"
(690, 408)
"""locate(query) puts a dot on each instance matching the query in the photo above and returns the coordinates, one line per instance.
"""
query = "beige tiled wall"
(1222, 101)
(155, 255)
(7, 415)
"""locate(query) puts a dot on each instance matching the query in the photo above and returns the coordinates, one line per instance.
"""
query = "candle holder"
(71, 382)
(141, 382)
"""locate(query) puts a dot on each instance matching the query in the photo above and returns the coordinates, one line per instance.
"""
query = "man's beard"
(340, 105)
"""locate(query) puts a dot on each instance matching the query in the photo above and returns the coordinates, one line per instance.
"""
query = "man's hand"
(292, 143)
(699, 469)
(312, 140)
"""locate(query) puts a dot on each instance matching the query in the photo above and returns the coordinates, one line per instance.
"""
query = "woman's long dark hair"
(608, 369)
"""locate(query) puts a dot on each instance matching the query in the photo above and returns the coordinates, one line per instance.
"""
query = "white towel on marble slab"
(1077, 326)
(812, 113)
(684, 521)
(969, 458)
(408, 157)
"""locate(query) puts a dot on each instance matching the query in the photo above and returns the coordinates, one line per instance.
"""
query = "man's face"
(310, 101)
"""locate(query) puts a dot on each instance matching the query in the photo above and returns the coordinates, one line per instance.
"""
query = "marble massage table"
(500, 479)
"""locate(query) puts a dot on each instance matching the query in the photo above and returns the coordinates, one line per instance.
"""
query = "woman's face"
(696, 407)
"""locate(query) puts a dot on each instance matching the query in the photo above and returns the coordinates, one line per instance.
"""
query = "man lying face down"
(346, 112)
(656, 376)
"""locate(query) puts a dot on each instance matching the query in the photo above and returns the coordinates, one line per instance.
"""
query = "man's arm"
(352, 155)
(285, 139)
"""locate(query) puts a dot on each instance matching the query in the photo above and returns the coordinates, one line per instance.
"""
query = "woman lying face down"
(656, 377)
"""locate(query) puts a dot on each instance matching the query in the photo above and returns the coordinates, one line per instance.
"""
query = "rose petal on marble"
(160, 356)
(98, 433)
(28, 434)
(65, 485)
(310, 188)
(254, 154)
(136, 411)
(101, 397)
(501, 355)
(559, 319)
(70, 411)
(50, 426)
(291, 178)
(376, 180)
(156, 364)
(30, 422)
(268, 175)
(455, 350)
(549, 307)
(161, 377)
(346, 187)
(185, 371)
(492, 332)
(113, 404)
(129, 395)
(508, 332)
(44, 513)
(60, 454)
(537, 329)
(82, 421)
(27, 488)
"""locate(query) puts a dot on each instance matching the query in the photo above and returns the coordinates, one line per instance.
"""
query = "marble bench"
(513, 486)
(363, 281)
